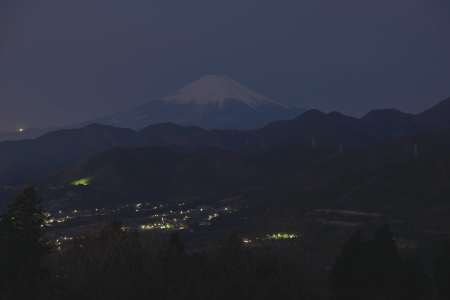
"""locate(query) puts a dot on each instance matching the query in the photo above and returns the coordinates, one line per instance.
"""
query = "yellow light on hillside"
(82, 182)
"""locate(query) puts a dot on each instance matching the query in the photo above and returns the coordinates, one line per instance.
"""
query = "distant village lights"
(277, 236)
(281, 236)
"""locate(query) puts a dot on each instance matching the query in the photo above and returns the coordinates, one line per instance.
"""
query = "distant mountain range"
(386, 161)
(212, 102)
(28, 161)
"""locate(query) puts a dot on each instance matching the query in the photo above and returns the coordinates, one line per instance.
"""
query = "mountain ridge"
(29, 160)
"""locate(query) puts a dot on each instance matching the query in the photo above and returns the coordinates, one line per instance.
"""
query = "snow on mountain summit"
(212, 102)
(217, 89)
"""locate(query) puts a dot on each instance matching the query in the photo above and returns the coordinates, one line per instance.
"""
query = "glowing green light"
(82, 182)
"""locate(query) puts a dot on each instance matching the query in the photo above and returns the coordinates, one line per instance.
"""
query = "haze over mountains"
(278, 148)
(213, 102)
(29, 160)
(219, 102)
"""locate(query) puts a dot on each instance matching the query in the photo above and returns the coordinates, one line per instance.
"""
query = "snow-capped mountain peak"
(213, 102)
(216, 90)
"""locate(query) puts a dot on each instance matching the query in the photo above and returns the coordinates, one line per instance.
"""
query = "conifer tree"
(22, 246)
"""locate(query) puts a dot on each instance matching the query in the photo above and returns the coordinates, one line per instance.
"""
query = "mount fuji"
(213, 102)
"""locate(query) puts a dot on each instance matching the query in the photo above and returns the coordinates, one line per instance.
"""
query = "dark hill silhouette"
(29, 161)
(391, 123)
(161, 173)
(437, 117)
(397, 178)
(317, 128)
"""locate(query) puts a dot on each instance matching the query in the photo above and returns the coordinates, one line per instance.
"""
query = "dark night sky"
(67, 61)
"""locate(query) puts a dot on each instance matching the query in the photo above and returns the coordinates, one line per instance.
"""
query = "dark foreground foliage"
(22, 248)
(120, 265)
(374, 268)
(115, 263)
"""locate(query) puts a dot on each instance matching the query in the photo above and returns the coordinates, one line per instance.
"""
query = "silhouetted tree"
(232, 247)
(416, 284)
(105, 265)
(22, 247)
(346, 277)
(175, 247)
(174, 269)
(369, 269)
(384, 265)
(442, 269)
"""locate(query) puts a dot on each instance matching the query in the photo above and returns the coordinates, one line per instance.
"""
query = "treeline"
(117, 264)
(371, 265)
